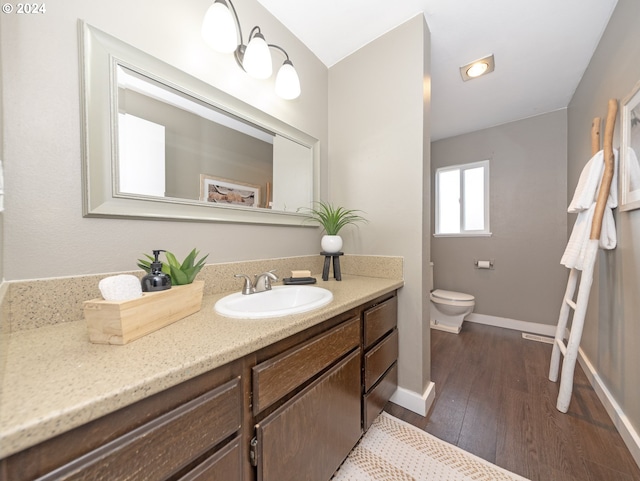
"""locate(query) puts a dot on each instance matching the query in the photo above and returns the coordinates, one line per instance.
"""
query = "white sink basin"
(279, 301)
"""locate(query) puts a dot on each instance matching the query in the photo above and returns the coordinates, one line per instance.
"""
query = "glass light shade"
(219, 28)
(287, 82)
(257, 58)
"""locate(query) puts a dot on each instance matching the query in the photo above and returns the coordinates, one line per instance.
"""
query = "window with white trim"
(462, 200)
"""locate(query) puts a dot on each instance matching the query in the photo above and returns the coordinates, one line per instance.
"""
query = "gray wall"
(45, 233)
(527, 219)
(379, 127)
(612, 327)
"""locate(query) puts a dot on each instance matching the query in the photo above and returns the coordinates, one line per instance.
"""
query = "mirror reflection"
(172, 145)
(160, 143)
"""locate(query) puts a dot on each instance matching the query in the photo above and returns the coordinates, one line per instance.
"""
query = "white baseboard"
(535, 328)
(627, 432)
(413, 401)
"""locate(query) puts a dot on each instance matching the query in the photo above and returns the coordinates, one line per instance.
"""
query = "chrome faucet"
(261, 282)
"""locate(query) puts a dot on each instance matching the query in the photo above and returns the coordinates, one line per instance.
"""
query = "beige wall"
(378, 122)
(527, 219)
(379, 160)
(612, 327)
(2, 157)
(45, 233)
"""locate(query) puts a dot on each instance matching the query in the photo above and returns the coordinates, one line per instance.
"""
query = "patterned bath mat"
(394, 450)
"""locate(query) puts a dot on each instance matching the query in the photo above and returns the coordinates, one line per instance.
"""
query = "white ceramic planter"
(331, 243)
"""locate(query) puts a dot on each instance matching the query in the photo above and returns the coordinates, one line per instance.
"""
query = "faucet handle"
(268, 277)
(248, 285)
(263, 281)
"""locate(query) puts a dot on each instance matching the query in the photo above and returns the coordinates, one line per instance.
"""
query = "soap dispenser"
(156, 280)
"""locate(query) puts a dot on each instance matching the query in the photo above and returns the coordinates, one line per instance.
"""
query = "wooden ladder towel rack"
(579, 306)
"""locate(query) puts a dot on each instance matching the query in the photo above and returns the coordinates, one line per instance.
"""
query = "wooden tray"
(120, 322)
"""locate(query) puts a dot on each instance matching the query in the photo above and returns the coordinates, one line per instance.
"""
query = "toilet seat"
(452, 295)
(452, 298)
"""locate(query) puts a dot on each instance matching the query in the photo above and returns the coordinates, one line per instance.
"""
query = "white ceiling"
(541, 48)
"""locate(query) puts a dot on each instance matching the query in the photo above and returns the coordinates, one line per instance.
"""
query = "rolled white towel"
(122, 287)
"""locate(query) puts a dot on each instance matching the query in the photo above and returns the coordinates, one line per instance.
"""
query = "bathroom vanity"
(291, 409)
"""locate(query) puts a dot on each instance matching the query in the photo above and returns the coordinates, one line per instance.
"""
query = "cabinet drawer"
(311, 434)
(379, 320)
(225, 464)
(280, 375)
(380, 358)
(151, 451)
(377, 398)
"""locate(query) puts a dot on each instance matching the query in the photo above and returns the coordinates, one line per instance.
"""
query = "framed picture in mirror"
(227, 191)
(630, 151)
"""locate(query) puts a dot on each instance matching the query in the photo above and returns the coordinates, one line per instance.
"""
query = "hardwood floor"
(493, 399)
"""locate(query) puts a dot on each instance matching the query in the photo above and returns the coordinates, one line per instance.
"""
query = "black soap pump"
(156, 280)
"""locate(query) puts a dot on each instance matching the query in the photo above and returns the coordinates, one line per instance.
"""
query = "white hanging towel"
(584, 204)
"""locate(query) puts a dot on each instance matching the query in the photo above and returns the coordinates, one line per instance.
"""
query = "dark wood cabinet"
(379, 359)
(290, 411)
(164, 446)
(380, 355)
(223, 465)
(308, 437)
(280, 375)
(379, 319)
(165, 436)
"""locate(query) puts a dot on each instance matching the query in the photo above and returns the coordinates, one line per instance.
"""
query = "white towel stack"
(584, 204)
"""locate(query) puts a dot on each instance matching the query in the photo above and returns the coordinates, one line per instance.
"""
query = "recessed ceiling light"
(477, 68)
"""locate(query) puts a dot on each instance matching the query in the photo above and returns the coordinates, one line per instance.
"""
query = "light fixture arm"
(281, 49)
(235, 16)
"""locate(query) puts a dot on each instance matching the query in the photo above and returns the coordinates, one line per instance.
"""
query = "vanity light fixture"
(477, 68)
(256, 58)
(221, 31)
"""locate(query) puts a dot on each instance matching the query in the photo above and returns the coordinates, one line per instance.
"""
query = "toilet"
(449, 308)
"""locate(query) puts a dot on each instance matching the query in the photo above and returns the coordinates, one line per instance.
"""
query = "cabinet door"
(165, 445)
(224, 465)
(307, 438)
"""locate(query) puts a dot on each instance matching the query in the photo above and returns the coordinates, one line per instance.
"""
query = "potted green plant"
(332, 219)
(181, 273)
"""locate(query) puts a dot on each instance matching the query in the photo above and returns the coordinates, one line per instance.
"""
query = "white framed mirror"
(630, 151)
(161, 144)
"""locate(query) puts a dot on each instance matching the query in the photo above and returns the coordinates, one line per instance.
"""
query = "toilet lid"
(452, 295)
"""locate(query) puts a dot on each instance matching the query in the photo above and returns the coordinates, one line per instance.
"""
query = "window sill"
(480, 234)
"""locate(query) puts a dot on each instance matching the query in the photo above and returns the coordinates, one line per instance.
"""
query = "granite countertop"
(55, 379)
